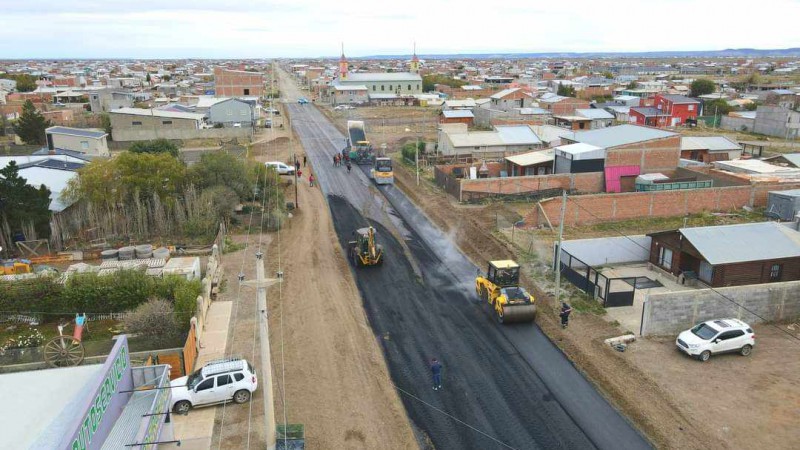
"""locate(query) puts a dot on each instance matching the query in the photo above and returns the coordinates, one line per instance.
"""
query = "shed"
(539, 162)
(188, 267)
(784, 205)
(579, 158)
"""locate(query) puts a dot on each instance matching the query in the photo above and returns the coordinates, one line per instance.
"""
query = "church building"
(376, 87)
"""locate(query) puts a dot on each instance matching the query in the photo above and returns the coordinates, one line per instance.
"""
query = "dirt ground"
(337, 383)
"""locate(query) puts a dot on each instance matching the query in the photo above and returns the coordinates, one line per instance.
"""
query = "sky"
(314, 28)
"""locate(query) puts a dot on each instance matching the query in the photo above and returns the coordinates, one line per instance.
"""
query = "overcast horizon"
(221, 29)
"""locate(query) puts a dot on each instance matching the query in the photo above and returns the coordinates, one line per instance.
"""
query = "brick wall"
(599, 208)
(652, 156)
(673, 312)
(581, 182)
(230, 83)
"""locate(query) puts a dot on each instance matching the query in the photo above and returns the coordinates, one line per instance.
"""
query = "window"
(136, 123)
(243, 112)
(665, 258)
(706, 272)
(166, 122)
(691, 107)
(373, 88)
(390, 87)
(238, 376)
(417, 87)
(775, 272)
(247, 92)
(383, 87)
(85, 145)
(207, 384)
(409, 87)
(730, 335)
(223, 380)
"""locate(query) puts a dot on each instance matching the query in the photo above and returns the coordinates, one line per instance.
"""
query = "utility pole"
(416, 159)
(558, 249)
(296, 201)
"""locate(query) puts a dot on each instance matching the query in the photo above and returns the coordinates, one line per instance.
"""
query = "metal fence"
(611, 292)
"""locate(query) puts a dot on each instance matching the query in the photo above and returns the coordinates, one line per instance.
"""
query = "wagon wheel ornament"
(65, 351)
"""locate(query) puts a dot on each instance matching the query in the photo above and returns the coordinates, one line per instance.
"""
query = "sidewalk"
(194, 430)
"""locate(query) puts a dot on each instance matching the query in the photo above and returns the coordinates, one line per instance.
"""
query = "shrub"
(153, 320)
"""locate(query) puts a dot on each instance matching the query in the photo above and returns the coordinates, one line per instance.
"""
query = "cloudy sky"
(309, 28)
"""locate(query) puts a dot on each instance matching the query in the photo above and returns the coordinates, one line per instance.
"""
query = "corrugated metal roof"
(619, 135)
(82, 132)
(476, 139)
(577, 149)
(157, 113)
(503, 93)
(517, 135)
(533, 111)
(531, 158)
(728, 244)
(594, 114)
(680, 99)
(457, 113)
(710, 143)
(127, 425)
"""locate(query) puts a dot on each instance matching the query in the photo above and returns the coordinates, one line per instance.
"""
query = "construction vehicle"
(500, 288)
(15, 266)
(382, 171)
(360, 149)
(364, 251)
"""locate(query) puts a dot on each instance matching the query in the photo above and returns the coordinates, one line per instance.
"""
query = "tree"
(702, 86)
(31, 125)
(717, 106)
(147, 78)
(752, 106)
(608, 75)
(25, 82)
(223, 169)
(565, 91)
(632, 85)
(154, 320)
(166, 78)
(429, 82)
(129, 176)
(22, 204)
(105, 121)
(156, 146)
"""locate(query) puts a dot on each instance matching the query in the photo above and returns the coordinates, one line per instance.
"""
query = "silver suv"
(218, 381)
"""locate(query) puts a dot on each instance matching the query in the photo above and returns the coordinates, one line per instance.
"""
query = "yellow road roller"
(500, 288)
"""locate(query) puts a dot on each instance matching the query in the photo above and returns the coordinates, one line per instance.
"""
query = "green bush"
(89, 292)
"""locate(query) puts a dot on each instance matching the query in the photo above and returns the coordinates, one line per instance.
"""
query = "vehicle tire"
(704, 356)
(500, 315)
(242, 396)
(182, 407)
(746, 350)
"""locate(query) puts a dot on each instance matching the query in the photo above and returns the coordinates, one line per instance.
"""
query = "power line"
(621, 233)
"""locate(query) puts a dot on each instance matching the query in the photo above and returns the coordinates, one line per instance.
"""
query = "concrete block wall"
(651, 156)
(737, 123)
(582, 182)
(672, 312)
(598, 208)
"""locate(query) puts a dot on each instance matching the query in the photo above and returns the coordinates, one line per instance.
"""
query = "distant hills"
(727, 53)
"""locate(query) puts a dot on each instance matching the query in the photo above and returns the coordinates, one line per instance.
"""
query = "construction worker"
(564, 314)
(304, 160)
(311, 180)
(296, 165)
(436, 371)
(348, 166)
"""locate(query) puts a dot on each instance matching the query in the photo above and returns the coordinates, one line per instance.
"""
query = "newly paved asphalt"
(504, 386)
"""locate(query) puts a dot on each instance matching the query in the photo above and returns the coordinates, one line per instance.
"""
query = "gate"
(190, 351)
(620, 292)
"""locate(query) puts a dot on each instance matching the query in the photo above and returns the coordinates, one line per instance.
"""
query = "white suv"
(217, 382)
(281, 168)
(717, 336)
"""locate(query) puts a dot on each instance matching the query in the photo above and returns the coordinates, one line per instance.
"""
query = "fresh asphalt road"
(504, 386)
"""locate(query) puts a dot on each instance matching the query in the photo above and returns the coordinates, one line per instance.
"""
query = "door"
(205, 392)
(224, 388)
(727, 341)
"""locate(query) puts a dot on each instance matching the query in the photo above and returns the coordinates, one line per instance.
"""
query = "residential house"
(349, 94)
(457, 116)
(679, 108)
(784, 98)
(537, 162)
(81, 140)
(777, 121)
(237, 83)
(136, 124)
(648, 116)
(709, 148)
(572, 122)
(53, 171)
(578, 158)
(560, 105)
(107, 99)
(230, 112)
(717, 257)
(599, 118)
(512, 98)
(455, 139)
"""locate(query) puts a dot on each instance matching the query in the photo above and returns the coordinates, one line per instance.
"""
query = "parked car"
(342, 107)
(237, 125)
(281, 168)
(267, 123)
(717, 336)
(272, 111)
(217, 382)
(302, 100)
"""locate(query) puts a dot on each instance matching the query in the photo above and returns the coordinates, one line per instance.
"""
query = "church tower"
(415, 61)
(343, 66)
